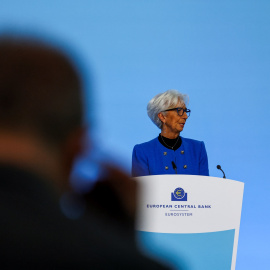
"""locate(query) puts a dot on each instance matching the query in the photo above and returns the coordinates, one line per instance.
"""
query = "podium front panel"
(193, 220)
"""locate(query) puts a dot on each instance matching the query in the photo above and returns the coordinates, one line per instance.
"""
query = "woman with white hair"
(169, 153)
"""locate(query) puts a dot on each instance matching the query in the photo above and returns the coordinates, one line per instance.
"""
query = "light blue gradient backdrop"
(215, 51)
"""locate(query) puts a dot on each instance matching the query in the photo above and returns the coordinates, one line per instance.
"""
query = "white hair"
(162, 102)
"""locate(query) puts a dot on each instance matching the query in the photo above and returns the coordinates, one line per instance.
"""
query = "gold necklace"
(167, 144)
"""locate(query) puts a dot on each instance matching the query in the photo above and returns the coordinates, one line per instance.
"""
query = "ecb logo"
(179, 195)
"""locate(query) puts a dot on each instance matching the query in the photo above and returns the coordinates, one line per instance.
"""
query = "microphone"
(219, 168)
(174, 167)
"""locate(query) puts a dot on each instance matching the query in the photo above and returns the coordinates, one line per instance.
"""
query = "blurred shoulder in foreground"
(41, 131)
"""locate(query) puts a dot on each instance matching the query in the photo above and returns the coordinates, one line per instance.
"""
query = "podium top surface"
(185, 177)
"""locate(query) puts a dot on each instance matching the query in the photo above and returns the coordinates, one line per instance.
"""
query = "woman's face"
(173, 123)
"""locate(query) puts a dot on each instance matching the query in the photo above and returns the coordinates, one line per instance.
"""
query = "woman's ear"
(161, 117)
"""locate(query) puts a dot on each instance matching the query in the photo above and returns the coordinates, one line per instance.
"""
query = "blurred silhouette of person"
(41, 132)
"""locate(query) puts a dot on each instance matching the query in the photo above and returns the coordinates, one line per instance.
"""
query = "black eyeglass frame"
(179, 109)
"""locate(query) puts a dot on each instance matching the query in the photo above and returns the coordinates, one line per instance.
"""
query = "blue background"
(215, 51)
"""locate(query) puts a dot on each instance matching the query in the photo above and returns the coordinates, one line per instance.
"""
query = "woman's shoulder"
(192, 142)
(148, 144)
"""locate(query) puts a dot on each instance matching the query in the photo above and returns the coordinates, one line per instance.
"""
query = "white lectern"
(191, 221)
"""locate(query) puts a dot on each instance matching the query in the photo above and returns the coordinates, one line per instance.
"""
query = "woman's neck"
(173, 144)
(169, 135)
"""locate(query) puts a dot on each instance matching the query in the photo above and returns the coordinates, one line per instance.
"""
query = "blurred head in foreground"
(40, 108)
(41, 130)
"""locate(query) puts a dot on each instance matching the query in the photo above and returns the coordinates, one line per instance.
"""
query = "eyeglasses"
(180, 111)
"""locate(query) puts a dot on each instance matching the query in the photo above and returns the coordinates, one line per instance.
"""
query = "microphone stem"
(174, 167)
(223, 173)
(219, 168)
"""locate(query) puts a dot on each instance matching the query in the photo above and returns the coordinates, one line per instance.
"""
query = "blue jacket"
(152, 158)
